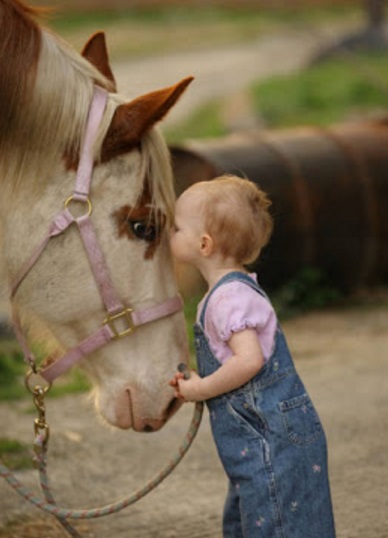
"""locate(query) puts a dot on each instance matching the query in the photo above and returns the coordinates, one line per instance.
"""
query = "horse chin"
(132, 411)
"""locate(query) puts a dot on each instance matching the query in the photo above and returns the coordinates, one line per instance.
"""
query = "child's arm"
(246, 361)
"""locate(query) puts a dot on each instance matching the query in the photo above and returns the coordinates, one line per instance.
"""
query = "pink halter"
(117, 313)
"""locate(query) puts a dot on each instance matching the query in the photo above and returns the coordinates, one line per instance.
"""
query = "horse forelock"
(158, 172)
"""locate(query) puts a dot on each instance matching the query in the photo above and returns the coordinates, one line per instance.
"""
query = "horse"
(47, 90)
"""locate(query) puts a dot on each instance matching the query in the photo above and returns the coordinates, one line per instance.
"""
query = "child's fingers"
(174, 381)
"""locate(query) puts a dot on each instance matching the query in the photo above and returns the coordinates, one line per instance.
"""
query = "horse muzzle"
(143, 412)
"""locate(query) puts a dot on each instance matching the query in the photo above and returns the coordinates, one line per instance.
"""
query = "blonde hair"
(236, 216)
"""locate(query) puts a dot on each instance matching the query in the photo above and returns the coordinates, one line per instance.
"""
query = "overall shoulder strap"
(231, 277)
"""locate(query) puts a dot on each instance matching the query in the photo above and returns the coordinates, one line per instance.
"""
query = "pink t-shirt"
(233, 307)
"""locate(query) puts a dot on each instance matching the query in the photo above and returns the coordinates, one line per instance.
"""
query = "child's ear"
(207, 245)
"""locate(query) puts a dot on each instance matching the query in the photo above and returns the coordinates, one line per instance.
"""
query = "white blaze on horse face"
(131, 374)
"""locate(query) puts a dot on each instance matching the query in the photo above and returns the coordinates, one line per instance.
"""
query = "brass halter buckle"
(121, 323)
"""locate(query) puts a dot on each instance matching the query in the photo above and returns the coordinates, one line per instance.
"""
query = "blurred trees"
(372, 36)
(375, 11)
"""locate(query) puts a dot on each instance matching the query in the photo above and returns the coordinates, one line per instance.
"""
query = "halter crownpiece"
(120, 320)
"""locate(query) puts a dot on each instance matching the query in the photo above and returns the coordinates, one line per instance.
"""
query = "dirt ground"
(342, 356)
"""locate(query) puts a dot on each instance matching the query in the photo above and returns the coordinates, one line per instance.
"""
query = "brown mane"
(20, 42)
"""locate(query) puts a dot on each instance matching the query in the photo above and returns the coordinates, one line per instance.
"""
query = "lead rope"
(40, 457)
(48, 504)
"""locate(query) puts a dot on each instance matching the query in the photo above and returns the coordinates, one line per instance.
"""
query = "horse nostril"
(148, 428)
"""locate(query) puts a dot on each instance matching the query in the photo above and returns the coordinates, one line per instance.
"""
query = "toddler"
(267, 432)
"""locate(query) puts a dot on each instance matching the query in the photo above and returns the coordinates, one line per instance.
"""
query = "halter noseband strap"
(120, 320)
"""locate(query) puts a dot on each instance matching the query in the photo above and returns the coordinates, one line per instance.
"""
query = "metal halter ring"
(86, 201)
(36, 389)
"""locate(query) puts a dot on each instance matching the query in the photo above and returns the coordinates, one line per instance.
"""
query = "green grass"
(138, 32)
(73, 382)
(192, 16)
(337, 90)
(206, 14)
(15, 455)
(190, 310)
(206, 122)
(347, 87)
(13, 371)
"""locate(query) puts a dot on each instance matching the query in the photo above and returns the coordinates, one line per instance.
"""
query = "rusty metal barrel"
(329, 188)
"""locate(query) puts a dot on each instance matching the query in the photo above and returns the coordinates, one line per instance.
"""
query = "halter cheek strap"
(120, 321)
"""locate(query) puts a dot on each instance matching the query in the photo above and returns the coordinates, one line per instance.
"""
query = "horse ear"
(132, 120)
(96, 52)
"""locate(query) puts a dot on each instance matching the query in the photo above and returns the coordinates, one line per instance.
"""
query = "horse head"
(42, 126)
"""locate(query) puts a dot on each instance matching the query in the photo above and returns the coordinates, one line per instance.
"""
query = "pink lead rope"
(117, 313)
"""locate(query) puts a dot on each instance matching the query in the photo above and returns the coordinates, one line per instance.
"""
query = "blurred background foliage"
(139, 29)
(346, 87)
(349, 81)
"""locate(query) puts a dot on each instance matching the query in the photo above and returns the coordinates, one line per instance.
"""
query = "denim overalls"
(272, 446)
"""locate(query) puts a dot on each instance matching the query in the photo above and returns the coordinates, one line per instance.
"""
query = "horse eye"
(144, 230)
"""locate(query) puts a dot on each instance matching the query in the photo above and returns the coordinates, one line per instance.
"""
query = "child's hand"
(174, 381)
(189, 389)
